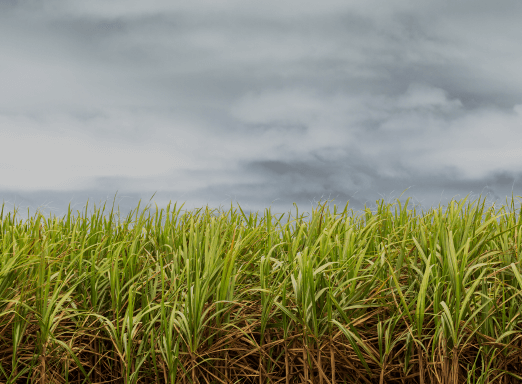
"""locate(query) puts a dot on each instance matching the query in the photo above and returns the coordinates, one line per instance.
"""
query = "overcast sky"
(261, 103)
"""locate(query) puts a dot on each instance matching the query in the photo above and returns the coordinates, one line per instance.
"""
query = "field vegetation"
(211, 296)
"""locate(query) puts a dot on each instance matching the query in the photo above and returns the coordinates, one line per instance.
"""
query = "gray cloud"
(274, 102)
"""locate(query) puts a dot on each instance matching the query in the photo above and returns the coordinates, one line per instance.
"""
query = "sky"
(261, 104)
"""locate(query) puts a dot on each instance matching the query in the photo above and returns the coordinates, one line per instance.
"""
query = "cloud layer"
(268, 103)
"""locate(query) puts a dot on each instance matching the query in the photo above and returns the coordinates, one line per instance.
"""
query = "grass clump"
(221, 297)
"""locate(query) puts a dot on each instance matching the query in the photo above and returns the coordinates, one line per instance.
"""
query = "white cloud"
(478, 144)
(423, 96)
(423, 130)
(61, 154)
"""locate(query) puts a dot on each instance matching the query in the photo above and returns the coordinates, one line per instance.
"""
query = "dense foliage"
(212, 296)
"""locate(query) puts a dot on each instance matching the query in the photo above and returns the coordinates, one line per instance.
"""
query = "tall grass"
(211, 296)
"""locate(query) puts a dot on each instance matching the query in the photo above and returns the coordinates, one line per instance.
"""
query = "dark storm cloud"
(272, 102)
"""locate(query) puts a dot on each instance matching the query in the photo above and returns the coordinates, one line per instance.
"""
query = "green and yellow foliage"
(211, 296)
